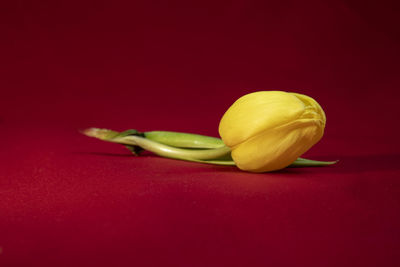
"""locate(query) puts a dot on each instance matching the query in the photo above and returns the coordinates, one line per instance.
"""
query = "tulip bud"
(269, 130)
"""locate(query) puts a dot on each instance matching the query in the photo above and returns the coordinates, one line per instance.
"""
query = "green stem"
(172, 152)
(205, 149)
(213, 162)
(184, 140)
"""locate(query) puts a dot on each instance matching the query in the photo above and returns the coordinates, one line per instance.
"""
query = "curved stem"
(186, 140)
(210, 150)
(212, 162)
(172, 152)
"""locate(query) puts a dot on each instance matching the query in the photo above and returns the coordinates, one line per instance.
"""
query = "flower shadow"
(360, 163)
(105, 154)
(347, 164)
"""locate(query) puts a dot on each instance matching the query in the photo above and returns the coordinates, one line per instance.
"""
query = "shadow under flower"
(346, 164)
(360, 163)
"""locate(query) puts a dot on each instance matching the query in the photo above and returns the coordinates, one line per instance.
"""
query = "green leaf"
(301, 162)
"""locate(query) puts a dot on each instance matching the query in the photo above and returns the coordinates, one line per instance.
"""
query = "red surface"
(67, 200)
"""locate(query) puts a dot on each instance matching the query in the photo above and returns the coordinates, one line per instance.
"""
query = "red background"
(67, 200)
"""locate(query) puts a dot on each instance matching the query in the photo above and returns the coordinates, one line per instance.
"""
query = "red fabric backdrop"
(67, 200)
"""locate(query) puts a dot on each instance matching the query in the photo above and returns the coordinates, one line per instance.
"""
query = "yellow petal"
(255, 112)
(312, 106)
(276, 148)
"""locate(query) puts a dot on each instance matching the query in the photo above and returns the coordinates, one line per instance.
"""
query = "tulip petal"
(312, 106)
(253, 113)
(277, 148)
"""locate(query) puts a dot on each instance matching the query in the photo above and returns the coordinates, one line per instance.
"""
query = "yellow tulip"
(269, 130)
